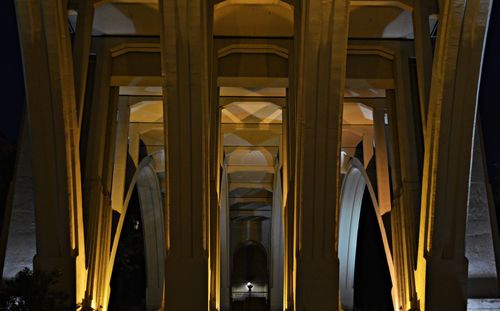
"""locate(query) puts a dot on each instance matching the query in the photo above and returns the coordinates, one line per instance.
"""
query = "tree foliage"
(33, 291)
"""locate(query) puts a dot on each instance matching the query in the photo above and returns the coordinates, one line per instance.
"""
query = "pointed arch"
(351, 196)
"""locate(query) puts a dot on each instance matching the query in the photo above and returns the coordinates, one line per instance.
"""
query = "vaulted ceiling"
(368, 19)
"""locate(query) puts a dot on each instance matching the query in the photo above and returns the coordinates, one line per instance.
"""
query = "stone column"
(225, 280)
(153, 230)
(288, 206)
(277, 243)
(423, 54)
(368, 148)
(51, 109)
(406, 185)
(288, 161)
(120, 154)
(185, 60)
(98, 178)
(406, 167)
(134, 144)
(81, 52)
(321, 78)
(442, 266)
(383, 183)
(215, 165)
(118, 182)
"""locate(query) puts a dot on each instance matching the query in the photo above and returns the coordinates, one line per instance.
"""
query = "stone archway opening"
(250, 277)
(251, 195)
(145, 199)
(356, 185)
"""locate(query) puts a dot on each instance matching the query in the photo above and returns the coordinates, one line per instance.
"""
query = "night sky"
(12, 74)
(489, 99)
(489, 103)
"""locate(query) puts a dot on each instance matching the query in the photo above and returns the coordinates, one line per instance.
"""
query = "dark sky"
(489, 104)
(489, 98)
(12, 85)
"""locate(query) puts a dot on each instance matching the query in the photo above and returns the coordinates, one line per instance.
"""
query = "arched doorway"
(251, 197)
(250, 278)
(354, 186)
(146, 188)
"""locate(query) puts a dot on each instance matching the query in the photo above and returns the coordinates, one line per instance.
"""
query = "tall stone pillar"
(442, 266)
(383, 183)
(120, 154)
(184, 41)
(277, 245)
(321, 77)
(406, 191)
(288, 161)
(98, 187)
(81, 52)
(406, 136)
(225, 260)
(120, 136)
(98, 178)
(51, 109)
(368, 148)
(423, 54)
(216, 176)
